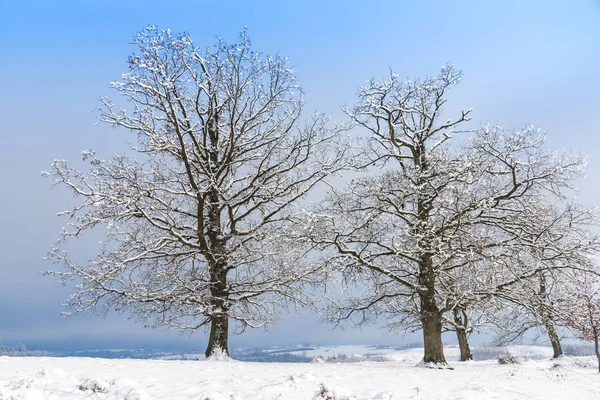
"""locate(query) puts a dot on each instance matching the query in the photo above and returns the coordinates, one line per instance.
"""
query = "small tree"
(559, 242)
(535, 304)
(585, 316)
(198, 224)
(463, 322)
(463, 330)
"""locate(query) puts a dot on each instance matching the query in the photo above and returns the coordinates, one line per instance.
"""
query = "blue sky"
(524, 62)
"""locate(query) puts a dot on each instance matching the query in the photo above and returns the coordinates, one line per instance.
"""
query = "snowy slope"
(85, 378)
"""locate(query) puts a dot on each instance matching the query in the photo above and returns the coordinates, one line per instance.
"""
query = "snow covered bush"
(508, 358)
(325, 393)
(92, 385)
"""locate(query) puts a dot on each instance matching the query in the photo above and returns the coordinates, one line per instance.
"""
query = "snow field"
(101, 379)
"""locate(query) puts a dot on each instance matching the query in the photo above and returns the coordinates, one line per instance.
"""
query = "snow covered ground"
(537, 377)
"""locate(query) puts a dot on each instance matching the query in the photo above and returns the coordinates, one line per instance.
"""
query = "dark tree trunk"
(554, 340)
(596, 348)
(461, 320)
(463, 344)
(431, 317)
(432, 338)
(219, 320)
(546, 313)
(218, 339)
(217, 261)
(432, 331)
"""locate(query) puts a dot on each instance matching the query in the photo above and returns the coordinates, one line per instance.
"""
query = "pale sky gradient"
(524, 61)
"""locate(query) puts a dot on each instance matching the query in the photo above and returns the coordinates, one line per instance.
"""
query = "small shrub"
(508, 358)
(327, 394)
(92, 385)
(131, 395)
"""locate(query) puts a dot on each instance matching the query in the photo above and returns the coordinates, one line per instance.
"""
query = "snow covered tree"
(559, 240)
(463, 321)
(534, 304)
(198, 219)
(585, 316)
(546, 310)
(426, 214)
(462, 328)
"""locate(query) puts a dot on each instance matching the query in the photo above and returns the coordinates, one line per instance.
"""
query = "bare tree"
(463, 330)
(535, 304)
(585, 316)
(559, 240)
(198, 223)
(464, 320)
(433, 212)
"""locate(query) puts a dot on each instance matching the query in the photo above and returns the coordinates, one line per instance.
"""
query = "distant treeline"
(20, 350)
(281, 355)
(260, 355)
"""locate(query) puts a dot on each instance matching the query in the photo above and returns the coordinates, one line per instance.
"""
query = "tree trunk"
(596, 348)
(218, 339)
(431, 317)
(432, 339)
(463, 344)
(219, 320)
(546, 314)
(553, 335)
(217, 254)
(432, 331)
(461, 334)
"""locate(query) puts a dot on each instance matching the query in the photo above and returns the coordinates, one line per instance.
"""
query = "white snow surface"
(47, 378)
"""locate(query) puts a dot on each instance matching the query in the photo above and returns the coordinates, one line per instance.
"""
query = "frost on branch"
(199, 222)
